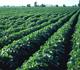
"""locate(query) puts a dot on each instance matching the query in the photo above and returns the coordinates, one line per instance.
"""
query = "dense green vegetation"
(39, 38)
(74, 62)
(51, 55)
(22, 11)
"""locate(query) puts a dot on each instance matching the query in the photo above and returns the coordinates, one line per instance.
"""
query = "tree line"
(36, 5)
(42, 5)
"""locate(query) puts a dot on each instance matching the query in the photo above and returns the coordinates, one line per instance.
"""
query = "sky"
(47, 2)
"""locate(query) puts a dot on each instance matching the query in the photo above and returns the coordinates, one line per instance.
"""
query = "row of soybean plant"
(6, 24)
(74, 61)
(18, 25)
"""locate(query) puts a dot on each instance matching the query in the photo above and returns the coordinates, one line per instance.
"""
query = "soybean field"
(39, 38)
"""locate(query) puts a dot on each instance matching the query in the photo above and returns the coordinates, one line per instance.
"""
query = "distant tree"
(28, 5)
(79, 3)
(75, 5)
(7, 6)
(64, 5)
(57, 6)
(22, 6)
(43, 5)
(35, 4)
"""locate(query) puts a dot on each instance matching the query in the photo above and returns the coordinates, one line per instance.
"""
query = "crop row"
(20, 24)
(74, 61)
(20, 19)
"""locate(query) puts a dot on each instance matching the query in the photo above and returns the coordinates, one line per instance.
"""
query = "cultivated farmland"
(39, 38)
